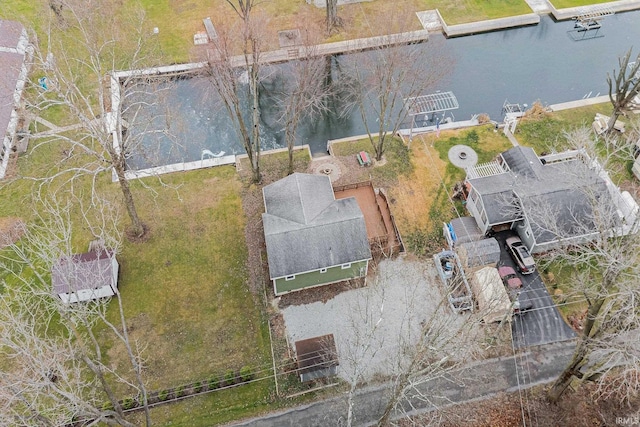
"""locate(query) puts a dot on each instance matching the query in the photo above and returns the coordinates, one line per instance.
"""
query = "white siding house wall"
(476, 208)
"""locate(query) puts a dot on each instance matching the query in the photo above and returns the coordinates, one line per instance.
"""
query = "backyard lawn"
(184, 290)
(546, 133)
(422, 199)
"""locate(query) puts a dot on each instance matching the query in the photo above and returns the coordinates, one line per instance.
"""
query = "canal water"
(549, 62)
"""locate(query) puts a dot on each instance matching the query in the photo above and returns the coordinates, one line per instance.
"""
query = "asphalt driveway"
(543, 323)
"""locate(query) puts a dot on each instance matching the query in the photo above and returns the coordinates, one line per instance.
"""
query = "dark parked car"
(522, 301)
(509, 277)
(520, 254)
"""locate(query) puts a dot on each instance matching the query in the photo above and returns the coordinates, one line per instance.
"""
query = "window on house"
(290, 277)
(323, 270)
(473, 195)
(345, 266)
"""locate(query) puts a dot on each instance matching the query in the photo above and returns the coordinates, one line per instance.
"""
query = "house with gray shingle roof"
(548, 200)
(312, 239)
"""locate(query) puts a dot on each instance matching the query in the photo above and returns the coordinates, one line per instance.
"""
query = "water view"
(542, 62)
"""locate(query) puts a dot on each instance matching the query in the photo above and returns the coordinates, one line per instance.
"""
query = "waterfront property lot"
(184, 289)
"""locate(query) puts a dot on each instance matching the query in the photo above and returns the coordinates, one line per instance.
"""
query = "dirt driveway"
(377, 327)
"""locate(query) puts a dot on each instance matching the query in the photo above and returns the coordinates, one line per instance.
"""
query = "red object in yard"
(363, 158)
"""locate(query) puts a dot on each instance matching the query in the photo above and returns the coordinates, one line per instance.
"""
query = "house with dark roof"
(312, 239)
(84, 277)
(548, 200)
(13, 73)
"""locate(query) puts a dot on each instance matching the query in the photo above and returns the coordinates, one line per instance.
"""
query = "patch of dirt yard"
(11, 229)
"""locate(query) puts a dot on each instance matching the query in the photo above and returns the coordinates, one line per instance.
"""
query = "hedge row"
(230, 377)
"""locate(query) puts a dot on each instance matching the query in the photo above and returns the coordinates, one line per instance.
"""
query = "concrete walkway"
(579, 103)
(477, 381)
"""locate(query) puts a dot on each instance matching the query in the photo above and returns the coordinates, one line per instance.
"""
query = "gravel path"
(375, 327)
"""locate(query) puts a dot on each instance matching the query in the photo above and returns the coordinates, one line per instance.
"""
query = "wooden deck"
(381, 230)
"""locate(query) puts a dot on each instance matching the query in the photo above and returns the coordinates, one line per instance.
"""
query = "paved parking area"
(543, 324)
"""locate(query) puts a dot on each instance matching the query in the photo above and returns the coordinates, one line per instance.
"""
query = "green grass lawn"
(184, 289)
(463, 11)
(177, 21)
(547, 133)
(397, 158)
(561, 4)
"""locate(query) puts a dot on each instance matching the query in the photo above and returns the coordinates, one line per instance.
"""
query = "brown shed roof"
(90, 270)
(317, 355)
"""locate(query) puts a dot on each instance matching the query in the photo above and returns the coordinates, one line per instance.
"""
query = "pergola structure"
(438, 102)
(588, 22)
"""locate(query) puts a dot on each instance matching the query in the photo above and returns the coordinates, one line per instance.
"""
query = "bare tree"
(93, 41)
(624, 87)
(333, 20)
(595, 232)
(379, 80)
(303, 95)
(58, 372)
(225, 73)
(402, 329)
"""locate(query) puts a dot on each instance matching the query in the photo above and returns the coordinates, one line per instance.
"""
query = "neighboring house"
(84, 277)
(13, 46)
(547, 200)
(312, 239)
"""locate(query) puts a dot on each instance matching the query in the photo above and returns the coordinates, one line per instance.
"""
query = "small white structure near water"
(84, 277)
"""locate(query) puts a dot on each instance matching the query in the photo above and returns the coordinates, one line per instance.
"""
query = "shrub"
(197, 387)
(230, 377)
(128, 403)
(213, 383)
(163, 395)
(179, 391)
(246, 373)
(107, 406)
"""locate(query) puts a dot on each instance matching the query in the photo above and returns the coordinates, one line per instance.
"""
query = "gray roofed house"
(311, 238)
(545, 199)
(84, 277)
(13, 49)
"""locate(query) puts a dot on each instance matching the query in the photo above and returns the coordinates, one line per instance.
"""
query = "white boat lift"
(423, 105)
(587, 23)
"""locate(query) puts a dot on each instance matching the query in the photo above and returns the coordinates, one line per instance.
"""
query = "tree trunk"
(255, 120)
(137, 229)
(579, 356)
(612, 120)
(379, 146)
(333, 20)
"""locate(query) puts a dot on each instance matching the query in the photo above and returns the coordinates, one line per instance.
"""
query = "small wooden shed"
(84, 277)
(317, 357)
